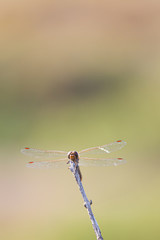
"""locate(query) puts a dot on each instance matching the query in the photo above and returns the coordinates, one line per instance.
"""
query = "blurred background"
(75, 75)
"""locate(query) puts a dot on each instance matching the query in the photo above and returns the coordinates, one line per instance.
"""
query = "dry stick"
(87, 204)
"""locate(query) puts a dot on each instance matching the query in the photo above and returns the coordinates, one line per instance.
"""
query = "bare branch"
(74, 169)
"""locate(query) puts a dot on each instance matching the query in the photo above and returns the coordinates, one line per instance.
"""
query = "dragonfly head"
(73, 155)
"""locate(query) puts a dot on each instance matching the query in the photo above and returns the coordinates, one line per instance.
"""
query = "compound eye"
(69, 153)
(76, 154)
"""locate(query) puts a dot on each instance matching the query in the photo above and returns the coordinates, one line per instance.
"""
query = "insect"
(85, 157)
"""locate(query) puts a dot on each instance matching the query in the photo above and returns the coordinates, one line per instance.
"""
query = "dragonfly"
(86, 157)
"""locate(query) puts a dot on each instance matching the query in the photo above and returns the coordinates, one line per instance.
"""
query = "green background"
(75, 75)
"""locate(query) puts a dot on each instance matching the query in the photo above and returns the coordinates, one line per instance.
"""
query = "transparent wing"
(101, 162)
(47, 164)
(108, 148)
(38, 153)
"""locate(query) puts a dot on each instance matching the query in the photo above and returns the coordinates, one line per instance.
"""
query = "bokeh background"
(75, 75)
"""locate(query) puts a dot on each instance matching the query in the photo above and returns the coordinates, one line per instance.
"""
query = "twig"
(74, 169)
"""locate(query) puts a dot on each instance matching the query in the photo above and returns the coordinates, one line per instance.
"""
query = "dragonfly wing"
(101, 162)
(47, 164)
(38, 153)
(108, 148)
